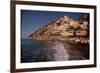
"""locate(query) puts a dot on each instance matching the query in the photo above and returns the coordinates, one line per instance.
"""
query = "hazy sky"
(31, 20)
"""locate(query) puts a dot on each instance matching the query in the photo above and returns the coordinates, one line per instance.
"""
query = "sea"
(32, 50)
(44, 51)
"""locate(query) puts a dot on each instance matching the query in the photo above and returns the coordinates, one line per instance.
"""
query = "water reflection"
(42, 51)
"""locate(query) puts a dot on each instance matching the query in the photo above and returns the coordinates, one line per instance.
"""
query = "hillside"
(65, 29)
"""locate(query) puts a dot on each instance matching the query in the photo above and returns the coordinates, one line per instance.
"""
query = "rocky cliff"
(64, 28)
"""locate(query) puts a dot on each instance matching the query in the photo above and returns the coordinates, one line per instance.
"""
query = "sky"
(31, 20)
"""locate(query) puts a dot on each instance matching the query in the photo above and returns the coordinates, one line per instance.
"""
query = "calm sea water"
(34, 51)
(41, 51)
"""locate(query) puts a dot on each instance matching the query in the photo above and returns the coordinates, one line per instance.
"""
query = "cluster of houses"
(72, 29)
(64, 29)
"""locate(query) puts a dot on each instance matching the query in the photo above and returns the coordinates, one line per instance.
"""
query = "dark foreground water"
(32, 51)
(41, 51)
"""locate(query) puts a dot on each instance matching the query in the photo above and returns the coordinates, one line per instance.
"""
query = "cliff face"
(64, 28)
